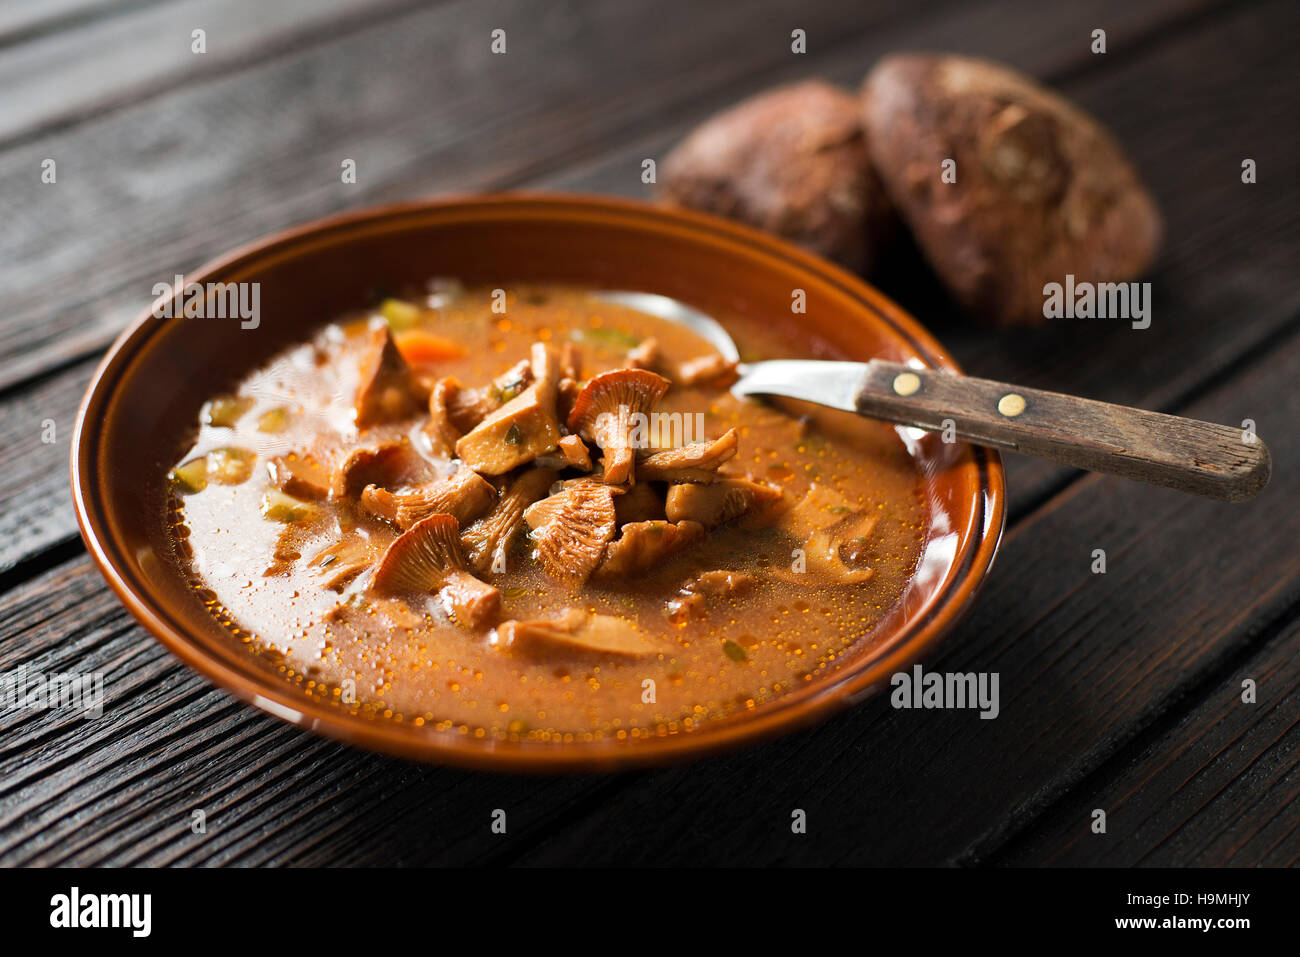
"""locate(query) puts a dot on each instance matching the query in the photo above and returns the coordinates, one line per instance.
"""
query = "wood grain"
(1222, 462)
(106, 61)
(1219, 785)
(121, 788)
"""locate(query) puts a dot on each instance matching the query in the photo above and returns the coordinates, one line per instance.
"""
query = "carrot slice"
(416, 346)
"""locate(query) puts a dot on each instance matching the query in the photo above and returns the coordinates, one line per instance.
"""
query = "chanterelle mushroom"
(836, 537)
(488, 540)
(697, 462)
(645, 545)
(572, 528)
(427, 558)
(522, 429)
(337, 565)
(442, 432)
(724, 500)
(609, 408)
(465, 496)
(386, 390)
(578, 630)
(386, 464)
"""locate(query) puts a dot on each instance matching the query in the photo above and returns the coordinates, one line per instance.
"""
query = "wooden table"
(1120, 691)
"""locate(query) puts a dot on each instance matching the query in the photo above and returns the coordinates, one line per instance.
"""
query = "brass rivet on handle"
(1011, 405)
(906, 383)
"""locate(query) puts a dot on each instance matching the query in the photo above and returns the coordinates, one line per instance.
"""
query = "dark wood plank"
(1086, 662)
(35, 496)
(21, 21)
(121, 788)
(100, 62)
(1219, 786)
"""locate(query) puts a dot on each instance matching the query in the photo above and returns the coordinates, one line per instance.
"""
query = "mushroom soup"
(553, 522)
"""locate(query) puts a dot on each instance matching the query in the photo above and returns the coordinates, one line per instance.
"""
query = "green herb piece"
(275, 420)
(229, 466)
(504, 393)
(224, 411)
(278, 507)
(399, 314)
(734, 651)
(191, 477)
(606, 338)
(513, 435)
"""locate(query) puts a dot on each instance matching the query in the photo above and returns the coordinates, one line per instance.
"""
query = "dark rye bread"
(1041, 190)
(792, 161)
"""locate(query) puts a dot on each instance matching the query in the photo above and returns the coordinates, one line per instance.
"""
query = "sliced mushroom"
(571, 361)
(522, 429)
(566, 394)
(607, 410)
(575, 452)
(388, 464)
(387, 391)
(442, 432)
(644, 545)
(427, 558)
(718, 503)
(835, 536)
(712, 369)
(302, 475)
(721, 583)
(338, 565)
(820, 506)
(697, 462)
(488, 540)
(643, 502)
(511, 383)
(645, 355)
(839, 552)
(466, 408)
(465, 495)
(571, 530)
(472, 603)
(578, 631)
(691, 600)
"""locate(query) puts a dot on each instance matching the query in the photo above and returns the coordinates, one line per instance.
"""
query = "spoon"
(1189, 455)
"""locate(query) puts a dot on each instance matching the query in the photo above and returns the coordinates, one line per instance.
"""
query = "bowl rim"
(836, 691)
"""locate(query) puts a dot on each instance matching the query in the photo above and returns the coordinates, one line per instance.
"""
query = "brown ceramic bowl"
(147, 392)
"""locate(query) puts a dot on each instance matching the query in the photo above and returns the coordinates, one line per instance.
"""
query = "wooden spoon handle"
(1185, 454)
